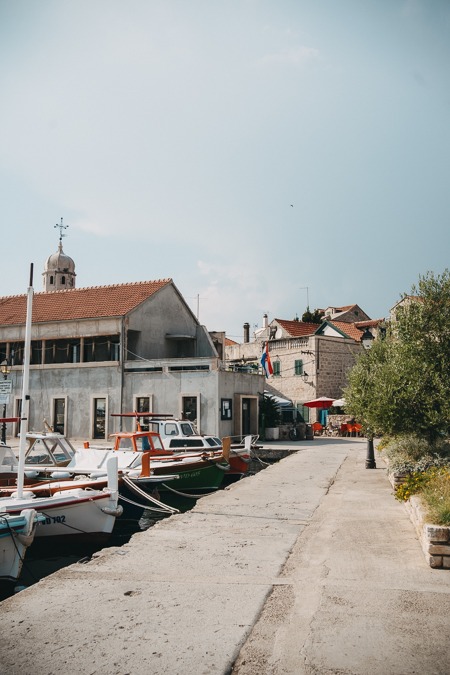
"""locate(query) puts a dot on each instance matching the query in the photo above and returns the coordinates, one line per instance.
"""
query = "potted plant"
(270, 418)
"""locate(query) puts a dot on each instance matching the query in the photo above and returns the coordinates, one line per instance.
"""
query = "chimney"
(265, 321)
(246, 332)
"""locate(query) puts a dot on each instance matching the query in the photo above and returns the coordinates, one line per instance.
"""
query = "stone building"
(309, 360)
(110, 349)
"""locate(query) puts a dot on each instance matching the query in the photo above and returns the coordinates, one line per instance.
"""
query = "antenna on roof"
(61, 228)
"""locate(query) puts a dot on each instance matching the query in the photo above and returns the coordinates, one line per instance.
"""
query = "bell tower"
(59, 272)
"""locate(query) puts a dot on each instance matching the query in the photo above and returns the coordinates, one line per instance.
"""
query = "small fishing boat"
(16, 535)
(182, 436)
(83, 513)
(142, 458)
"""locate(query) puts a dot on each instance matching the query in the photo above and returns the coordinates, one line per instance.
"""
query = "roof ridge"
(89, 288)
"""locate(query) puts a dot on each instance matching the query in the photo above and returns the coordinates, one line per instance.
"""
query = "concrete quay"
(308, 567)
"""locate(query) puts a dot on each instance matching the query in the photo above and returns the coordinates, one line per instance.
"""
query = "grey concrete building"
(120, 348)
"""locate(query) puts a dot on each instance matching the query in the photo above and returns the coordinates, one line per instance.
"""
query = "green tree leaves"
(402, 385)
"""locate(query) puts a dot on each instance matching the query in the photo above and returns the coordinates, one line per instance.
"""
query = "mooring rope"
(185, 494)
(146, 495)
(144, 507)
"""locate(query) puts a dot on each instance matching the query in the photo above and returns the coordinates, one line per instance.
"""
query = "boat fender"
(31, 474)
(60, 474)
(109, 511)
(26, 538)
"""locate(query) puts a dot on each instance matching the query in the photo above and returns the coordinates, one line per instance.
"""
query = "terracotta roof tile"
(349, 329)
(79, 303)
(298, 328)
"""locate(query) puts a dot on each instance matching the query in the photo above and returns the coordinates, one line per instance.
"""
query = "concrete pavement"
(310, 566)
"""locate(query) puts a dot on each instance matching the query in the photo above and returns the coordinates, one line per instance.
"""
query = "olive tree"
(402, 385)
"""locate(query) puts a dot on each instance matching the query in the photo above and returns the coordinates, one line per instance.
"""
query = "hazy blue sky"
(174, 135)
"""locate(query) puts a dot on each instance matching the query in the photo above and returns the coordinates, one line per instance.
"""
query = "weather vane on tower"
(61, 228)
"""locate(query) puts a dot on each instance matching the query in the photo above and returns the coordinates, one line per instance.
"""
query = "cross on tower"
(61, 228)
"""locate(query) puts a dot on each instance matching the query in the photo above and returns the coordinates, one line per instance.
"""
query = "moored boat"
(181, 436)
(16, 535)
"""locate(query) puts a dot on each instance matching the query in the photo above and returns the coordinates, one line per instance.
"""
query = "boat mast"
(25, 388)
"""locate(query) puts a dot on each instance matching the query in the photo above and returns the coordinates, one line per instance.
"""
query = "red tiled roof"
(349, 329)
(79, 303)
(298, 328)
(229, 342)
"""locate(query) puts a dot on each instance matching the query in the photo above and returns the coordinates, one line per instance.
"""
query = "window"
(170, 429)
(189, 408)
(142, 404)
(299, 367)
(99, 430)
(276, 367)
(62, 351)
(59, 415)
(101, 348)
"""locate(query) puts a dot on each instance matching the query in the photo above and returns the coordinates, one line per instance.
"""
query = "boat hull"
(16, 535)
(191, 483)
(70, 515)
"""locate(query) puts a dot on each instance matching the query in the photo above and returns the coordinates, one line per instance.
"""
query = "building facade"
(309, 360)
(101, 351)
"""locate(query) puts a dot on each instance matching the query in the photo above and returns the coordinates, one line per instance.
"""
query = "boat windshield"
(157, 443)
(8, 460)
(48, 451)
(187, 429)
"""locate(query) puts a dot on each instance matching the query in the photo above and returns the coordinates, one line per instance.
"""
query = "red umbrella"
(322, 402)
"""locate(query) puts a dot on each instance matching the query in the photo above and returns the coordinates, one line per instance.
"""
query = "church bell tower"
(59, 272)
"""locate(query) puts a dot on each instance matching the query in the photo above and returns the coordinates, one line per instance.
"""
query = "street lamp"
(5, 369)
(367, 341)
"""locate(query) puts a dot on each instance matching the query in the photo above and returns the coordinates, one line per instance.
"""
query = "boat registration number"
(51, 520)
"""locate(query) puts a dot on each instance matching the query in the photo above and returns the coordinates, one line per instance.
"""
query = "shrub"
(414, 483)
(409, 454)
(435, 496)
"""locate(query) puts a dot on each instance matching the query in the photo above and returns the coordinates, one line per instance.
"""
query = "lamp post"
(367, 341)
(5, 369)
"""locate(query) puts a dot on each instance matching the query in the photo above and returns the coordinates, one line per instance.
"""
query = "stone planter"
(434, 539)
(272, 434)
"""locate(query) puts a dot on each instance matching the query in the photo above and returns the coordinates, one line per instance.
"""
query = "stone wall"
(434, 539)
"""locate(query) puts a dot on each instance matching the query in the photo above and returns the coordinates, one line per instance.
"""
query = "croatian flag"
(266, 362)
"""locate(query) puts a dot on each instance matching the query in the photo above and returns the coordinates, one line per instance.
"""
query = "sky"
(266, 155)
